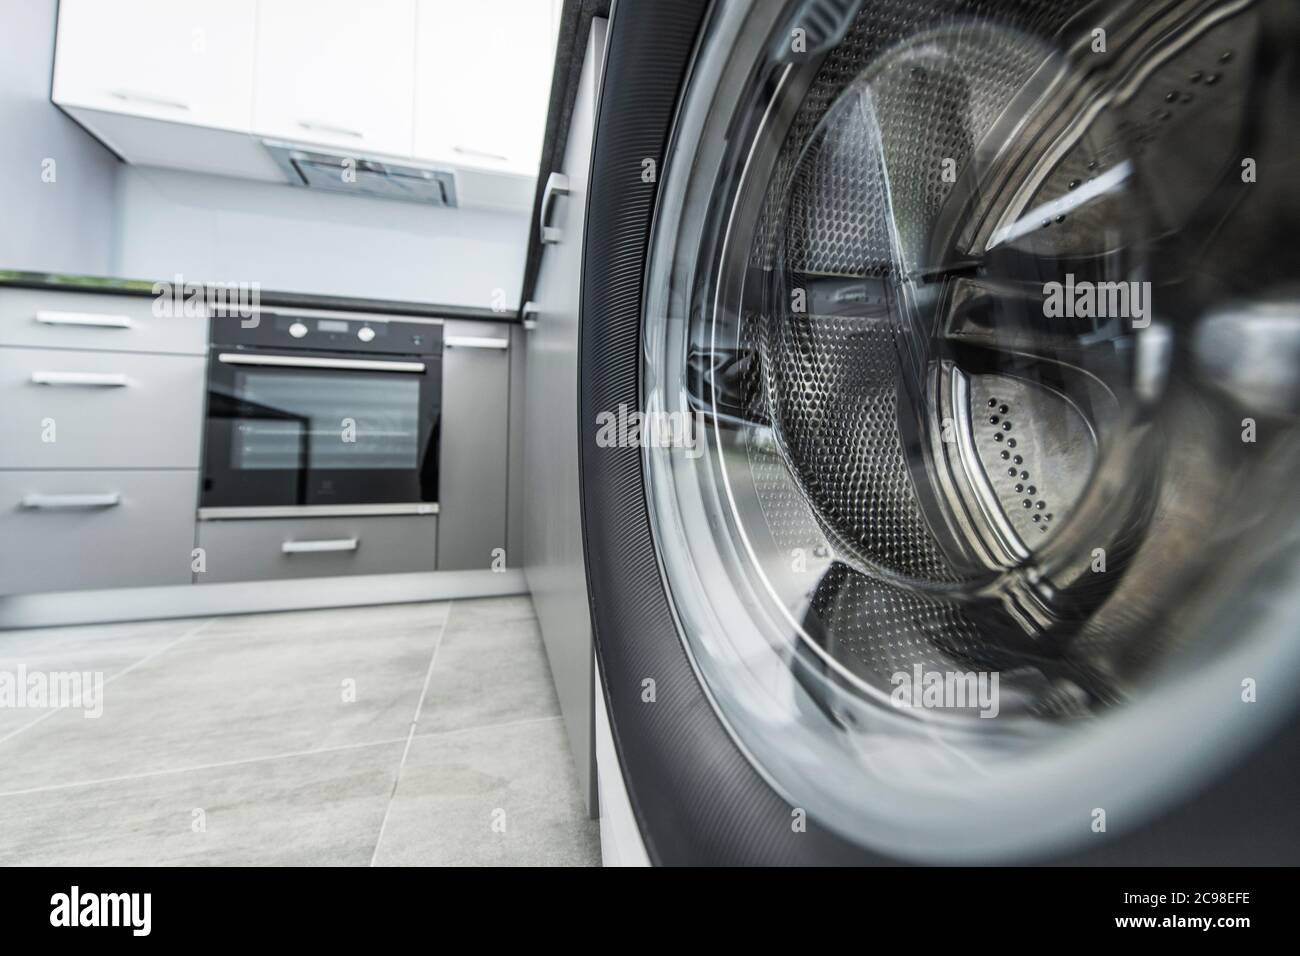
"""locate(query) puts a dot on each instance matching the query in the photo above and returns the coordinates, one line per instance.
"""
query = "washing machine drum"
(969, 343)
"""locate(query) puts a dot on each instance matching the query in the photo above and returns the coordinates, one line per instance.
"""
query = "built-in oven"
(321, 412)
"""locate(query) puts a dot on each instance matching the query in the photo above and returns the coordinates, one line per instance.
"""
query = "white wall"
(60, 226)
(300, 240)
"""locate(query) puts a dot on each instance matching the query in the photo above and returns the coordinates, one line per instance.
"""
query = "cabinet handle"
(475, 342)
(131, 96)
(470, 151)
(529, 313)
(329, 544)
(64, 502)
(328, 128)
(557, 184)
(96, 320)
(96, 379)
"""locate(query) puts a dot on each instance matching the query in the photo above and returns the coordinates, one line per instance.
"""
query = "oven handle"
(288, 361)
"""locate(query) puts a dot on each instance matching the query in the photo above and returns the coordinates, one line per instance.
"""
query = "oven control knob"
(297, 330)
(366, 333)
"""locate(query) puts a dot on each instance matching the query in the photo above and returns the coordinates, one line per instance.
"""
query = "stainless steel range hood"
(339, 172)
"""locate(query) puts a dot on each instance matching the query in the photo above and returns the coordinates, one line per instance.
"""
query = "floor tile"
(242, 688)
(491, 668)
(505, 795)
(105, 650)
(484, 612)
(133, 638)
(245, 717)
(353, 620)
(318, 809)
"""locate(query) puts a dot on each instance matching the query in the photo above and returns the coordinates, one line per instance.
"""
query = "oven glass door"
(312, 429)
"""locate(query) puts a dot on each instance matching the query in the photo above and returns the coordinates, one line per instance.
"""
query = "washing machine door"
(940, 376)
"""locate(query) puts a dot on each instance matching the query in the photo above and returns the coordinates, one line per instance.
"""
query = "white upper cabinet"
(457, 85)
(338, 73)
(483, 81)
(185, 61)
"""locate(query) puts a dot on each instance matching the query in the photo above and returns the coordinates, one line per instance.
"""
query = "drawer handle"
(64, 502)
(475, 342)
(96, 379)
(329, 128)
(97, 320)
(312, 547)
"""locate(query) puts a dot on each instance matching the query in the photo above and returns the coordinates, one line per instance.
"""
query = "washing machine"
(939, 381)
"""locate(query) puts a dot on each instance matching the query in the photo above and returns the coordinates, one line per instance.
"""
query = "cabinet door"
(483, 81)
(338, 73)
(473, 457)
(187, 62)
(77, 529)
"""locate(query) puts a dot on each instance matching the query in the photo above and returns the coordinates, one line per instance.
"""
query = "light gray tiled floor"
(406, 734)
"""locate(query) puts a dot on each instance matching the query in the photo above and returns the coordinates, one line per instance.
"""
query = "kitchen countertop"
(298, 300)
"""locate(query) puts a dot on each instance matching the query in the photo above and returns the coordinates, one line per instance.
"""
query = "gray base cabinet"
(100, 447)
(75, 530)
(99, 440)
(474, 454)
(268, 549)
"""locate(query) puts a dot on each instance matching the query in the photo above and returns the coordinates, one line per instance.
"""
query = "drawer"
(77, 320)
(70, 409)
(77, 530)
(263, 549)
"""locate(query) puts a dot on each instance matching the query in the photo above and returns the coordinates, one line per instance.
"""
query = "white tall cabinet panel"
(483, 80)
(183, 61)
(338, 73)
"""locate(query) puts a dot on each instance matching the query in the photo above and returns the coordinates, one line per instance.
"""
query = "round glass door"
(979, 324)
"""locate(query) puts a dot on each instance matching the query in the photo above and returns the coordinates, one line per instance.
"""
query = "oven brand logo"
(946, 690)
(1098, 300)
(74, 908)
(22, 689)
(631, 428)
(181, 299)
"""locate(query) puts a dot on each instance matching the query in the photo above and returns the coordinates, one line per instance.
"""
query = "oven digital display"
(331, 325)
